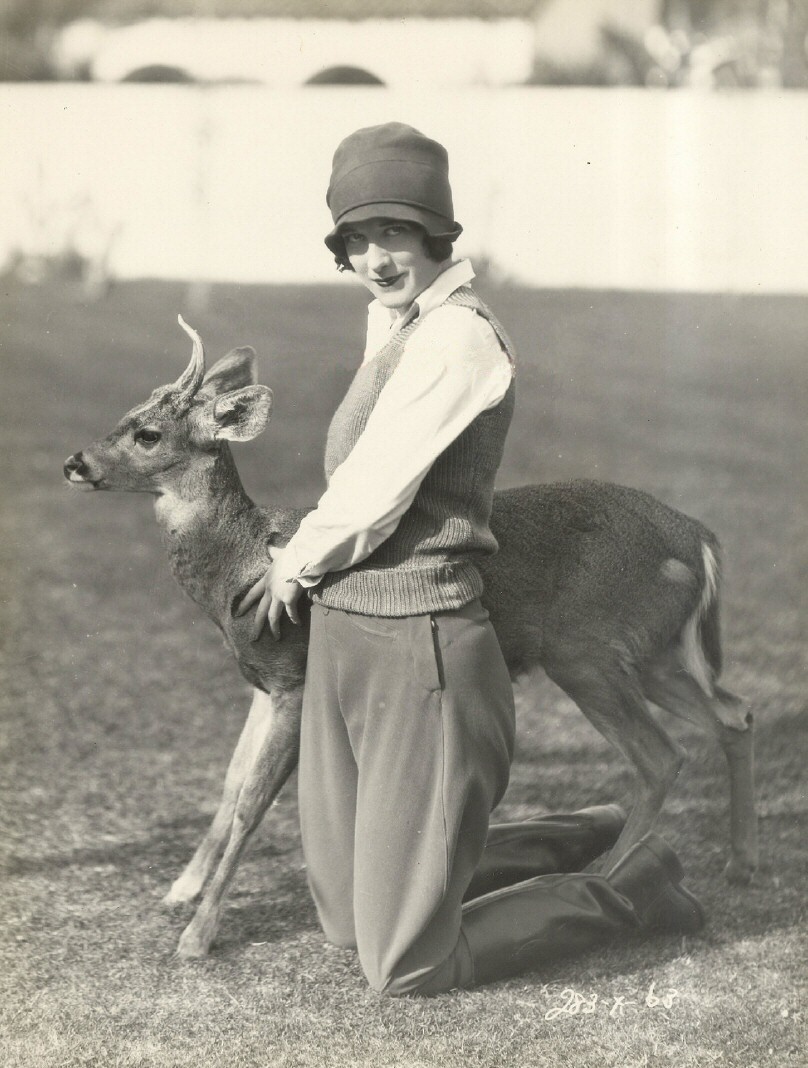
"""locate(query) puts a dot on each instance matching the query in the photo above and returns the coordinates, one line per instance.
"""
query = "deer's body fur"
(612, 592)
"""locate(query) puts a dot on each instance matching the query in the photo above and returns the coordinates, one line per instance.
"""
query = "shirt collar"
(381, 327)
(455, 276)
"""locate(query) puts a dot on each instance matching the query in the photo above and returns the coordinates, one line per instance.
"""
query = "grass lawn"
(120, 706)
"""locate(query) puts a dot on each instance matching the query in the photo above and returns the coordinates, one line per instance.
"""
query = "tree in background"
(27, 28)
(732, 43)
(706, 44)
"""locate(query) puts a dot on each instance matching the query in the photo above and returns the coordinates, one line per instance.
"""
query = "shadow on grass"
(171, 845)
(288, 910)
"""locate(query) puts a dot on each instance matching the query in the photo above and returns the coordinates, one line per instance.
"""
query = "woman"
(408, 720)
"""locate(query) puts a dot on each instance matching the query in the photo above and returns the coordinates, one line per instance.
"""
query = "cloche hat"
(391, 171)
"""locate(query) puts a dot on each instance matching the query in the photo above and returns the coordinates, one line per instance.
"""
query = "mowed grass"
(120, 705)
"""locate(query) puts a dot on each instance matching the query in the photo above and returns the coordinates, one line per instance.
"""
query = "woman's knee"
(405, 985)
(409, 978)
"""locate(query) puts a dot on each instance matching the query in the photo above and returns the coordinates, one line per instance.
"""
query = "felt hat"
(391, 171)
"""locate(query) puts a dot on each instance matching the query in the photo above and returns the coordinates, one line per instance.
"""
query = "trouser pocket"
(426, 654)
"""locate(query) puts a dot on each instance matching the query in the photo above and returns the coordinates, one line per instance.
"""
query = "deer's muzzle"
(77, 472)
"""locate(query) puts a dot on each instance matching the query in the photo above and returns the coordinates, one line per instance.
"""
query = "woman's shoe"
(650, 876)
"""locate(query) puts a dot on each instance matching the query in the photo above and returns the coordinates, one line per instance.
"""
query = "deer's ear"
(233, 371)
(239, 415)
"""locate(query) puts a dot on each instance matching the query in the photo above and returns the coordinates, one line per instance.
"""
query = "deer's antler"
(191, 378)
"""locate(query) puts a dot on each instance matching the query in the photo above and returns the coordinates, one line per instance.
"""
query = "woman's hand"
(275, 595)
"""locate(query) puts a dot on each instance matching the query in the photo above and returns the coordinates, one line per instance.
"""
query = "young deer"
(614, 594)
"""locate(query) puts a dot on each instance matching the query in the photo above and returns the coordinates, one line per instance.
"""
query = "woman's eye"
(147, 436)
(352, 239)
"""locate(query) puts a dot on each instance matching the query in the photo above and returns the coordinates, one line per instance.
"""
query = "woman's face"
(389, 257)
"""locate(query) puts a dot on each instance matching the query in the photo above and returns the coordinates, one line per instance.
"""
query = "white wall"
(566, 187)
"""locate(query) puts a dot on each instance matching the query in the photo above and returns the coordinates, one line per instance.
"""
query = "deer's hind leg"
(727, 718)
(609, 694)
(268, 757)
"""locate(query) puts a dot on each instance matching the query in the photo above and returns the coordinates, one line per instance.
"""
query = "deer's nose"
(74, 465)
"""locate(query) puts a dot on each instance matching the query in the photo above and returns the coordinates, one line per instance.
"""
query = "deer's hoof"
(191, 946)
(739, 872)
(182, 892)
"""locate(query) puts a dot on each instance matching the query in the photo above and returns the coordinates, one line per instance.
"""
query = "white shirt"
(452, 369)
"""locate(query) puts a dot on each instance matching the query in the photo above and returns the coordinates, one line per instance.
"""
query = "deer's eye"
(147, 436)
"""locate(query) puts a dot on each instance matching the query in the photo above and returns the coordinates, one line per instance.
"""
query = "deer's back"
(583, 562)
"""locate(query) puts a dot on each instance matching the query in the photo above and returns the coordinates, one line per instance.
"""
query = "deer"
(615, 595)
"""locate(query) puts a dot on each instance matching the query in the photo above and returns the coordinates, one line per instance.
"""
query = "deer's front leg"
(188, 886)
(270, 756)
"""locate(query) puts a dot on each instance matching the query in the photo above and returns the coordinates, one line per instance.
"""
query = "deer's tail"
(701, 637)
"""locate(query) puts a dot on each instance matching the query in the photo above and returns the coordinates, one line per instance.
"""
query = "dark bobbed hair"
(437, 249)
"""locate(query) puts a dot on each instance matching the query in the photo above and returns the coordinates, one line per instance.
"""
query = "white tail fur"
(694, 661)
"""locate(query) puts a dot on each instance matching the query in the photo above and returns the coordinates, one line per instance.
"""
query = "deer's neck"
(203, 497)
(207, 522)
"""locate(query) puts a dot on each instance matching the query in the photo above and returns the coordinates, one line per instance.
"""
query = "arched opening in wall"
(343, 75)
(158, 72)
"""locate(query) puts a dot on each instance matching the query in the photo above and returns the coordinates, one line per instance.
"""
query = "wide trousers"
(406, 744)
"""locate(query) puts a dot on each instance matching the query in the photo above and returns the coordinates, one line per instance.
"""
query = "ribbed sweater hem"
(400, 592)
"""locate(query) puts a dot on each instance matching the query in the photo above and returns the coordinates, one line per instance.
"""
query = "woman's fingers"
(292, 610)
(271, 610)
(252, 595)
(261, 616)
(276, 610)
(274, 596)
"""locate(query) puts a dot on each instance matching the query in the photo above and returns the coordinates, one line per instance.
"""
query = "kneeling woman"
(408, 719)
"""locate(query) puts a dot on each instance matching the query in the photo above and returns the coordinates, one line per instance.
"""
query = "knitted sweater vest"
(427, 563)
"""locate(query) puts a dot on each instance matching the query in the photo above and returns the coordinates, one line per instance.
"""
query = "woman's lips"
(385, 283)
